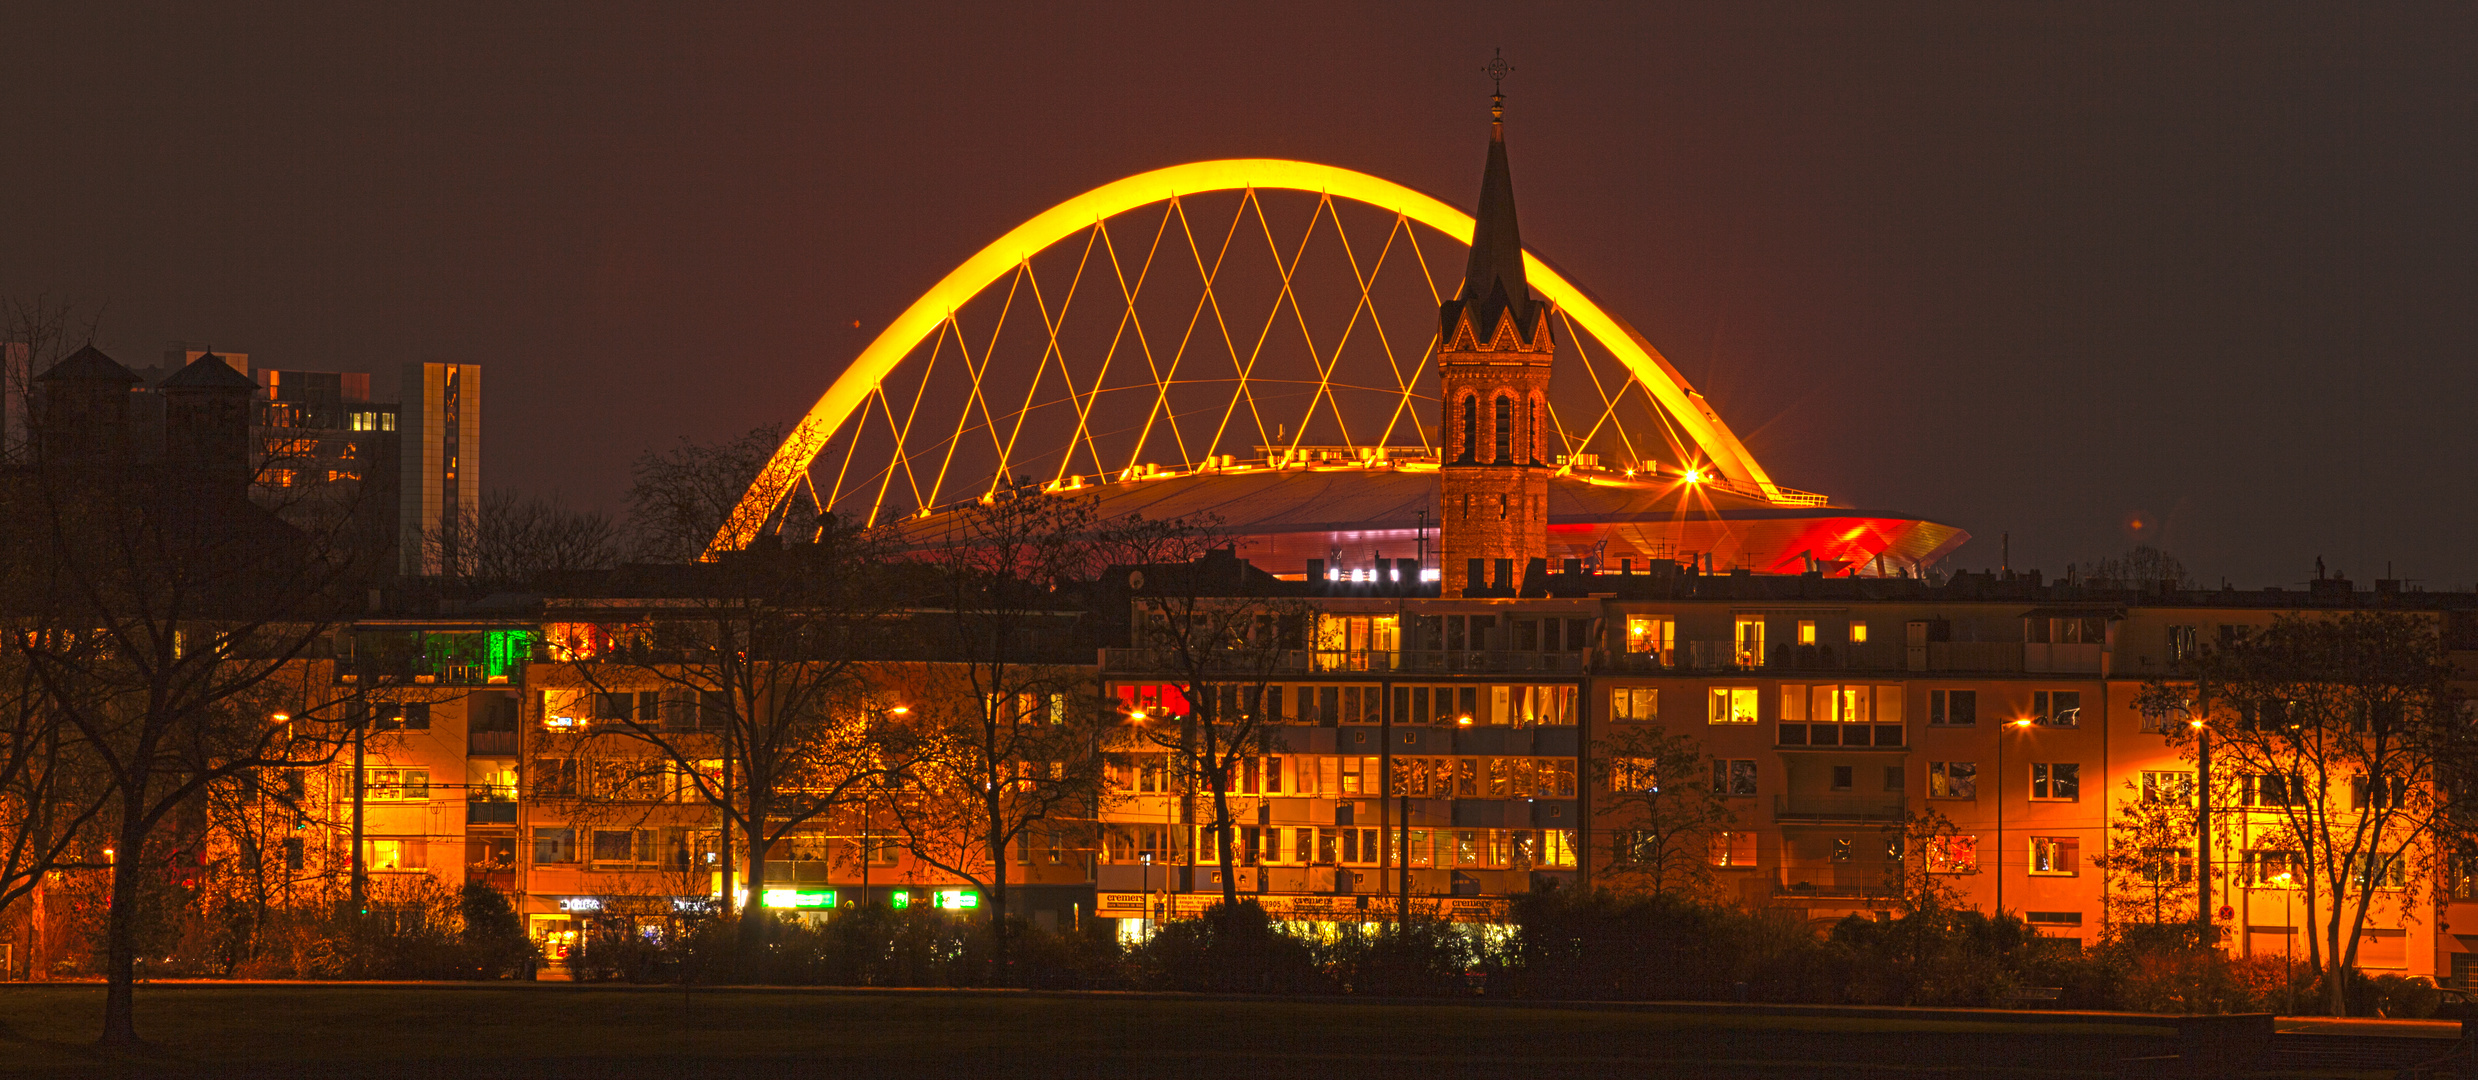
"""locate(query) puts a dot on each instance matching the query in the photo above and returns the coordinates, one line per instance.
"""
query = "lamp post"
(2202, 831)
(2000, 810)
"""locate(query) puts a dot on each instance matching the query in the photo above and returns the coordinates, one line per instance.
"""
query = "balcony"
(1725, 656)
(1344, 661)
(1839, 736)
(1838, 807)
(394, 657)
(2069, 657)
(1994, 657)
(492, 808)
(490, 744)
(1836, 881)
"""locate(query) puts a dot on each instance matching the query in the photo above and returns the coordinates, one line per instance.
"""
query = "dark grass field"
(553, 1030)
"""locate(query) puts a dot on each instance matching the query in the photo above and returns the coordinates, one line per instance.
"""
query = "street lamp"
(2024, 722)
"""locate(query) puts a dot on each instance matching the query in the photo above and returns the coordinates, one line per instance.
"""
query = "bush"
(2270, 984)
(1230, 949)
(1603, 946)
(875, 945)
(1424, 957)
(494, 941)
(2398, 997)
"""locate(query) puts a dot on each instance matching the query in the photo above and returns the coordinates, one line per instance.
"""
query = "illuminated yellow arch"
(1693, 414)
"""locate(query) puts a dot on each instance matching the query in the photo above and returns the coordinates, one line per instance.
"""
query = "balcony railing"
(1345, 661)
(1838, 806)
(1871, 736)
(1711, 656)
(490, 743)
(421, 672)
(1983, 656)
(1836, 881)
(490, 808)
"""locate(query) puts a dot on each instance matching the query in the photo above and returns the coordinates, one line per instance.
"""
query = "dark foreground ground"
(542, 1031)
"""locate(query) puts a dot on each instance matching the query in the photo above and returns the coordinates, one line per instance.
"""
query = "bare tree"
(52, 790)
(1219, 631)
(2141, 566)
(36, 331)
(2343, 738)
(1011, 727)
(680, 499)
(1666, 805)
(178, 629)
(526, 542)
(1924, 856)
(760, 658)
(2150, 859)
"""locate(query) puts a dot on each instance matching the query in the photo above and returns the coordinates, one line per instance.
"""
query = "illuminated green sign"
(957, 899)
(899, 899)
(800, 898)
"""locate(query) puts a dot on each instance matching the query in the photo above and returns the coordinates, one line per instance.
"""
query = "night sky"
(2087, 274)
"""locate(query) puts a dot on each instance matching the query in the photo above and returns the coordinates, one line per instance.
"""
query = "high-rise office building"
(439, 490)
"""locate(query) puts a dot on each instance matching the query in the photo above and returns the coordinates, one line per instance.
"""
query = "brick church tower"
(1493, 360)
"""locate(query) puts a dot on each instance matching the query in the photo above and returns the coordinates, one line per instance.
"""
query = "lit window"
(1952, 854)
(1651, 634)
(1952, 780)
(1731, 705)
(1749, 635)
(2273, 869)
(1806, 632)
(396, 785)
(1733, 849)
(1635, 703)
(2168, 788)
(1858, 633)
(2057, 856)
(391, 854)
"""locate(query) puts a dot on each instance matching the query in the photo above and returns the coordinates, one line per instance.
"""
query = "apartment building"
(1833, 711)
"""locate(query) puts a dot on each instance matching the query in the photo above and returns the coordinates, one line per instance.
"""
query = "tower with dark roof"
(1493, 358)
(207, 423)
(81, 410)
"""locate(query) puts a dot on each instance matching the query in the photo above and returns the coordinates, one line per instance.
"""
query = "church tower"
(1493, 358)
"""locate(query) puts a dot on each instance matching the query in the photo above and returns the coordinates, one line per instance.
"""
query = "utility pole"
(725, 843)
(360, 884)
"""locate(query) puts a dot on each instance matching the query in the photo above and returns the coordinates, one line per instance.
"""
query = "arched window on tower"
(1505, 429)
(1469, 443)
(1539, 441)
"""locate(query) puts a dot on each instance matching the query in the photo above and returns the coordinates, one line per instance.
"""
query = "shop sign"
(800, 899)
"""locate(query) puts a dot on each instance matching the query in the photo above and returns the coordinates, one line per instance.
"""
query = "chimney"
(1536, 577)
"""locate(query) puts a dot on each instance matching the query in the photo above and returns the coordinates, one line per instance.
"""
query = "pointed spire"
(1493, 281)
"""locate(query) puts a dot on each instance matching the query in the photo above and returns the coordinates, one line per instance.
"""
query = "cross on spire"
(1497, 69)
